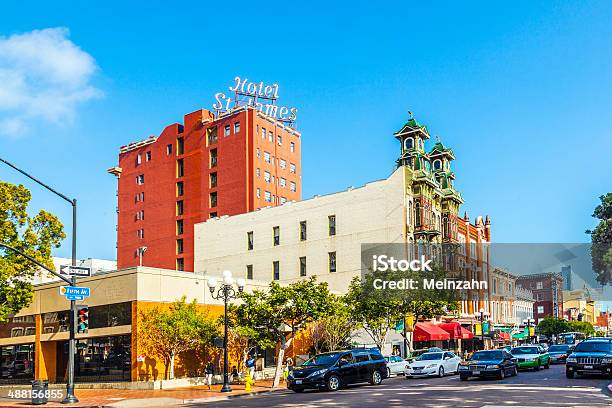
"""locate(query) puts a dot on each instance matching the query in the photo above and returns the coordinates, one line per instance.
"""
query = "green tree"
(583, 327)
(167, 332)
(601, 240)
(335, 329)
(278, 313)
(552, 326)
(35, 236)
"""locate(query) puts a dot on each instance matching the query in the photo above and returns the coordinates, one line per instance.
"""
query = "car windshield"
(430, 356)
(594, 346)
(525, 350)
(487, 355)
(322, 360)
(558, 347)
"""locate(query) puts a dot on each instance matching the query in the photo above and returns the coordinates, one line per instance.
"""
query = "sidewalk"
(151, 398)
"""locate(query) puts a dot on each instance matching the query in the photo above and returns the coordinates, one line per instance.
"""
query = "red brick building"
(209, 166)
(547, 291)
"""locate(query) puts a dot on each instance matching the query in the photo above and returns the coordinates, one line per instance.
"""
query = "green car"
(531, 357)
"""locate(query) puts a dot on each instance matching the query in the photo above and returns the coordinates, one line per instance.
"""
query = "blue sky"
(522, 95)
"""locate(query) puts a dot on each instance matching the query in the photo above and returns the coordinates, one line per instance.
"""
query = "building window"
(212, 215)
(292, 147)
(250, 242)
(180, 264)
(179, 227)
(539, 285)
(408, 143)
(140, 179)
(267, 157)
(142, 215)
(258, 172)
(276, 270)
(180, 146)
(180, 189)
(138, 159)
(211, 136)
(276, 235)
(213, 158)
(302, 230)
(258, 193)
(437, 164)
(148, 155)
(179, 246)
(213, 180)
(332, 261)
(279, 140)
(292, 186)
(270, 136)
(267, 176)
(263, 133)
(180, 168)
(282, 182)
(226, 130)
(302, 266)
(332, 225)
(282, 163)
(267, 196)
(236, 127)
(179, 207)
(169, 149)
(257, 152)
(292, 168)
(249, 274)
(213, 199)
(540, 310)
(283, 200)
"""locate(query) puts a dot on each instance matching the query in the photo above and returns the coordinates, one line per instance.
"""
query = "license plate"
(298, 381)
(588, 367)
(476, 372)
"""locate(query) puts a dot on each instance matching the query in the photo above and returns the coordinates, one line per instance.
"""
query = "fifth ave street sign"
(70, 270)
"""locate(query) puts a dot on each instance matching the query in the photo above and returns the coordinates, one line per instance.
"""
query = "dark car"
(488, 363)
(590, 357)
(330, 371)
(558, 353)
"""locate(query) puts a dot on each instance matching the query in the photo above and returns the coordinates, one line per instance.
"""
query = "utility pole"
(70, 397)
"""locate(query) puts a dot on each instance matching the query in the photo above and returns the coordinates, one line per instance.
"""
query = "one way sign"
(70, 270)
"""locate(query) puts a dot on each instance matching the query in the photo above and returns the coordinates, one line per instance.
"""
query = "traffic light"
(82, 319)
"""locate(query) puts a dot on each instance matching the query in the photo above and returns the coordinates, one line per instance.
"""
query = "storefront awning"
(456, 331)
(425, 331)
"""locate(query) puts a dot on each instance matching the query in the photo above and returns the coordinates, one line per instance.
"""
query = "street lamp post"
(480, 316)
(70, 397)
(226, 292)
(528, 323)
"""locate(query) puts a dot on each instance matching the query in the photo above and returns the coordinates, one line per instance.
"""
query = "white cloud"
(43, 76)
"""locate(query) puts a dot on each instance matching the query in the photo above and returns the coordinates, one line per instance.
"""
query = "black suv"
(590, 357)
(332, 370)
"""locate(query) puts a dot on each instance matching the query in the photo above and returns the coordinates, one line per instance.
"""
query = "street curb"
(230, 397)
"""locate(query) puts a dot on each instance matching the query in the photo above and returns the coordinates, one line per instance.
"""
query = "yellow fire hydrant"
(248, 382)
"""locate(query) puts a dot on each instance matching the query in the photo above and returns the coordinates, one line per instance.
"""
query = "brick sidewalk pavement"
(143, 398)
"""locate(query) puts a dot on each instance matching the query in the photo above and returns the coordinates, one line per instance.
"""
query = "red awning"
(425, 331)
(504, 335)
(456, 331)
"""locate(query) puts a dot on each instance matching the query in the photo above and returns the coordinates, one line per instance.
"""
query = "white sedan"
(395, 365)
(437, 363)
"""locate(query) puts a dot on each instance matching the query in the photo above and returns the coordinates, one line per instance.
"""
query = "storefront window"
(17, 363)
(116, 314)
(104, 359)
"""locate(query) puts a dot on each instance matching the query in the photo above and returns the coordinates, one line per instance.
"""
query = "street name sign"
(70, 270)
(74, 292)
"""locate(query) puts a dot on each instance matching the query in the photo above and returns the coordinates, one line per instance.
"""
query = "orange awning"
(456, 331)
(425, 331)
(466, 334)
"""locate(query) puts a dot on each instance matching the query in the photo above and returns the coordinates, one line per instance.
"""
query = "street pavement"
(544, 388)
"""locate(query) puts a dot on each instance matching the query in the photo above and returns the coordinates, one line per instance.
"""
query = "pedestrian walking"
(210, 368)
(250, 365)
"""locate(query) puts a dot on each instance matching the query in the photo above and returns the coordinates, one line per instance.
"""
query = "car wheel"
(388, 372)
(463, 377)
(515, 371)
(502, 374)
(375, 378)
(569, 374)
(333, 383)
(537, 367)
(547, 365)
(441, 372)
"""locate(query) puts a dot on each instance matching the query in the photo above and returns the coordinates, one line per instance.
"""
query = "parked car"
(558, 353)
(333, 370)
(488, 363)
(531, 357)
(395, 365)
(437, 363)
(590, 357)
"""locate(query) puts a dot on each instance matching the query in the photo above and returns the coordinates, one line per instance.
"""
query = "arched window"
(445, 229)
(417, 214)
(437, 164)
(408, 143)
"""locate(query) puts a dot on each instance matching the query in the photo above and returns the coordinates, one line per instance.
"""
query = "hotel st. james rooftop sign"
(261, 96)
